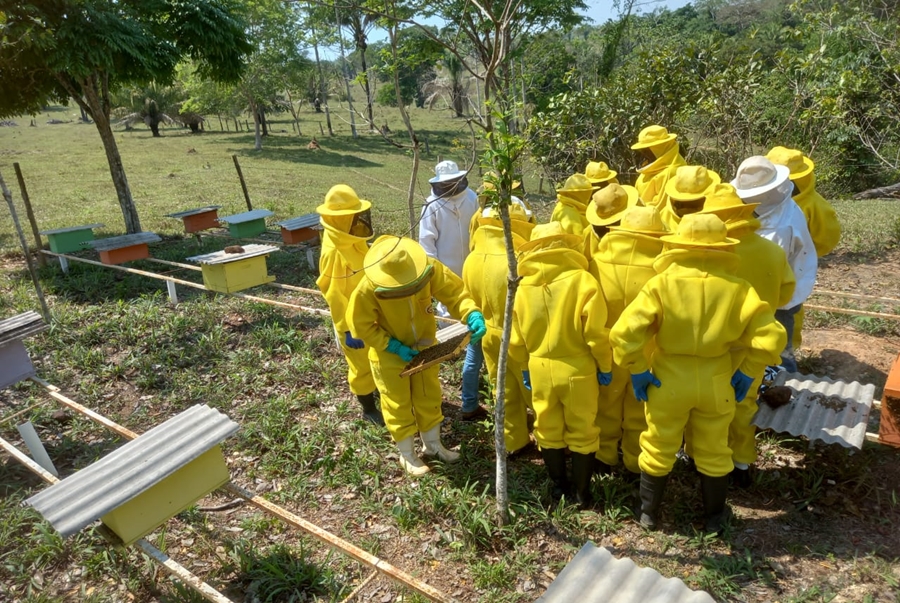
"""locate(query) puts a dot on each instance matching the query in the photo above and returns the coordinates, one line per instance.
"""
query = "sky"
(602, 10)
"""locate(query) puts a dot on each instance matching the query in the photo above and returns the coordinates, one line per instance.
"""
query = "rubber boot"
(601, 468)
(371, 412)
(582, 470)
(741, 478)
(409, 460)
(652, 490)
(432, 446)
(555, 462)
(716, 512)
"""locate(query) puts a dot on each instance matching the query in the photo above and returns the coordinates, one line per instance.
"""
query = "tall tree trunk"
(322, 96)
(257, 142)
(263, 122)
(93, 97)
(414, 140)
(153, 124)
(361, 47)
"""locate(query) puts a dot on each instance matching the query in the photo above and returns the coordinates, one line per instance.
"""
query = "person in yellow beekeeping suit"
(600, 175)
(660, 157)
(823, 223)
(571, 202)
(624, 263)
(485, 273)
(685, 193)
(765, 266)
(559, 332)
(607, 206)
(518, 194)
(347, 228)
(391, 311)
(697, 311)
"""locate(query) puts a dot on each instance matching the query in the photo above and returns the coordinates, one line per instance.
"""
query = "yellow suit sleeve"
(337, 290)
(593, 317)
(448, 289)
(787, 284)
(635, 329)
(362, 316)
(824, 227)
(764, 338)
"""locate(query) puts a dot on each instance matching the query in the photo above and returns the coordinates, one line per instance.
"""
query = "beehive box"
(67, 240)
(125, 248)
(196, 220)
(230, 272)
(889, 428)
(300, 230)
(15, 363)
(247, 224)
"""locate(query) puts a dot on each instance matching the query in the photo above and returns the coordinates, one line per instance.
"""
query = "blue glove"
(641, 382)
(475, 321)
(406, 353)
(741, 384)
(526, 379)
(604, 378)
(353, 343)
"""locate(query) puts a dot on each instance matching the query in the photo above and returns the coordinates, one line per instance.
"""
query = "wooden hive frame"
(452, 341)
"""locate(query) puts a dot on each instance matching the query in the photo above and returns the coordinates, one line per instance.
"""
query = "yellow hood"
(624, 263)
(340, 270)
(547, 263)
(699, 260)
(824, 226)
(671, 158)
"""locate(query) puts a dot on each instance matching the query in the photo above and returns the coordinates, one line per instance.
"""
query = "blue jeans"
(786, 318)
(470, 376)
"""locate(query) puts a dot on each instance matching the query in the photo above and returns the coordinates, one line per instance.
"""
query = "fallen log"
(884, 192)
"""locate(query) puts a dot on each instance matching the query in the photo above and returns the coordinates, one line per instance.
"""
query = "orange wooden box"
(125, 254)
(889, 429)
(292, 237)
(204, 221)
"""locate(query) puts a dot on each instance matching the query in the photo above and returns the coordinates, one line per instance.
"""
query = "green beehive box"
(243, 230)
(67, 240)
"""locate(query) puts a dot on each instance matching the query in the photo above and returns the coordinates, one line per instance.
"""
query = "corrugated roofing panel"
(21, 326)
(72, 229)
(91, 493)
(305, 221)
(247, 216)
(121, 241)
(594, 575)
(193, 212)
(834, 412)
(223, 257)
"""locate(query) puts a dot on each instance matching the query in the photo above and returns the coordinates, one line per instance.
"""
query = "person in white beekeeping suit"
(444, 234)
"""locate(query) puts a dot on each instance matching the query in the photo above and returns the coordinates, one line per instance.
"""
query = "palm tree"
(449, 81)
(152, 105)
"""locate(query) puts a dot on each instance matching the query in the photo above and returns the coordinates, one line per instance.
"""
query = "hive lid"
(247, 216)
(223, 257)
(72, 229)
(193, 212)
(91, 493)
(110, 243)
(21, 326)
(305, 221)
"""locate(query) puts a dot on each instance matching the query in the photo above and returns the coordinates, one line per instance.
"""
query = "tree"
(151, 105)
(359, 23)
(416, 56)
(85, 49)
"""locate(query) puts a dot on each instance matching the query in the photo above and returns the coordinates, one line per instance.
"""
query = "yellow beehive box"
(150, 509)
(236, 268)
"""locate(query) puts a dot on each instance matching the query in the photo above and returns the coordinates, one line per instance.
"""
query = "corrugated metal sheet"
(305, 221)
(118, 477)
(21, 326)
(594, 575)
(247, 216)
(110, 243)
(193, 212)
(834, 412)
(72, 229)
(222, 257)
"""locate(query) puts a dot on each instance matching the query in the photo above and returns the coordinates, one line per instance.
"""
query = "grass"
(117, 346)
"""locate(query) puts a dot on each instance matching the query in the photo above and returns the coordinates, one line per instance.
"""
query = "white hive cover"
(223, 257)
(247, 216)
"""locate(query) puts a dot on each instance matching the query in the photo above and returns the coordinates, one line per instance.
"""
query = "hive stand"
(15, 364)
(300, 230)
(889, 428)
(67, 240)
(230, 272)
(139, 486)
(196, 220)
(247, 224)
(124, 248)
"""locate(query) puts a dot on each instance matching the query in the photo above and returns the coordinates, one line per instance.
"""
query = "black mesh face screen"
(362, 224)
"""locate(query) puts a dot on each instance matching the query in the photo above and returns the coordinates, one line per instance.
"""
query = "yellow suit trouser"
(359, 371)
(408, 404)
(696, 394)
(798, 328)
(517, 398)
(620, 417)
(564, 395)
(742, 432)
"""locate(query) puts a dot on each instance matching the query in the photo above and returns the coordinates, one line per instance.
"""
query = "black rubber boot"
(371, 412)
(652, 490)
(601, 468)
(741, 478)
(555, 462)
(582, 470)
(716, 512)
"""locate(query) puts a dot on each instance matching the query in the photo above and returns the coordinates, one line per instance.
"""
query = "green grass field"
(818, 525)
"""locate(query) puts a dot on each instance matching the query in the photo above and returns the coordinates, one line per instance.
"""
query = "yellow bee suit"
(622, 264)
(409, 404)
(652, 179)
(559, 329)
(485, 276)
(340, 270)
(569, 211)
(698, 312)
